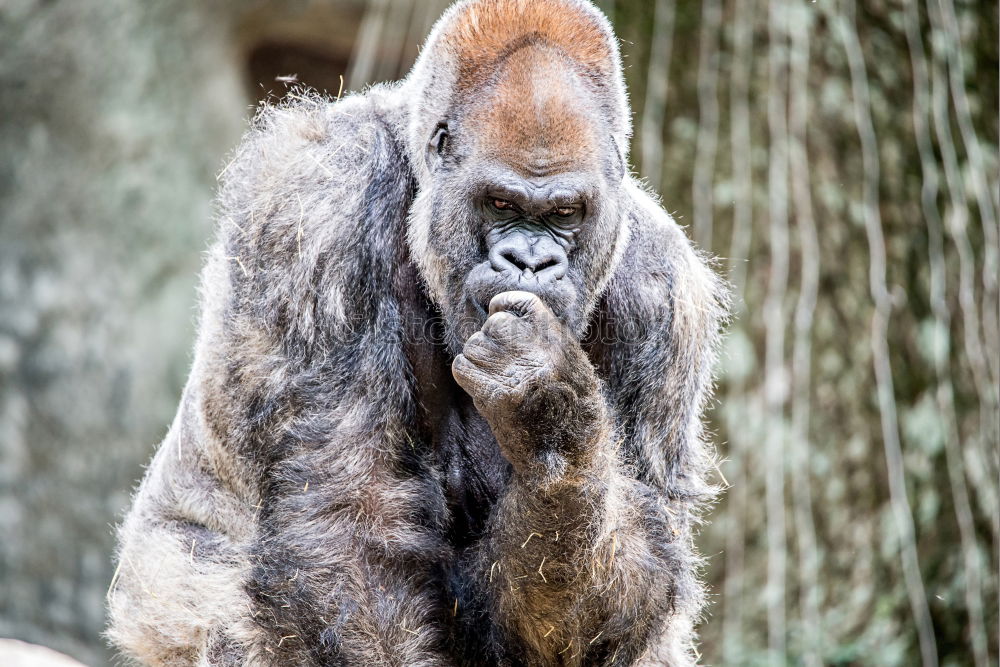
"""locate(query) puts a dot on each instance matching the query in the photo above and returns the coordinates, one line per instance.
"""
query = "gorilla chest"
(465, 456)
(473, 471)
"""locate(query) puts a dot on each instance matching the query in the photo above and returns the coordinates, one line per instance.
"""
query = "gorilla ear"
(618, 168)
(437, 145)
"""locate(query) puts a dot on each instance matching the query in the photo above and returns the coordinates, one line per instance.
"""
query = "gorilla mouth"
(483, 283)
(480, 300)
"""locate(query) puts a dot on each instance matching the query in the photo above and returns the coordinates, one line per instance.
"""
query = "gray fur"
(306, 505)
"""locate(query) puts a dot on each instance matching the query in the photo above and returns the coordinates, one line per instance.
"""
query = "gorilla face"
(531, 237)
(524, 195)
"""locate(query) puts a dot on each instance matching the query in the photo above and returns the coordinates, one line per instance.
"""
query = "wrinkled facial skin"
(524, 196)
(496, 231)
(530, 230)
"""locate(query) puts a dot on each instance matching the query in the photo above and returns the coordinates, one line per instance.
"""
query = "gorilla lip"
(480, 299)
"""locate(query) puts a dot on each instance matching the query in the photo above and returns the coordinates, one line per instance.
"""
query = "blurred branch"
(655, 104)
(365, 57)
(775, 381)
(739, 251)
(805, 530)
(879, 336)
(708, 122)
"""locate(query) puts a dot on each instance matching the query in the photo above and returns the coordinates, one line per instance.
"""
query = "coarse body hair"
(328, 495)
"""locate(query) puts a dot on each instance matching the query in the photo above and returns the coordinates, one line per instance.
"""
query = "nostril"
(547, 263)
(511, 258)
(527, 261)
(535, 265)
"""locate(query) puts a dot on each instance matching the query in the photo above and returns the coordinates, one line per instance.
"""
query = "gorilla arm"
(588, 556)
(177, 595)
(295, 412)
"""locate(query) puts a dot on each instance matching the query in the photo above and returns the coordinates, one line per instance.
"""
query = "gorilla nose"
(524, 257)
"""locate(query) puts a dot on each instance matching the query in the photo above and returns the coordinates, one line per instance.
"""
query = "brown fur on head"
(488, 30)
(531, 117)
(492, 46)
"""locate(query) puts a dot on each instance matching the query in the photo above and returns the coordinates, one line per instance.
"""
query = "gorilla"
(445, 403)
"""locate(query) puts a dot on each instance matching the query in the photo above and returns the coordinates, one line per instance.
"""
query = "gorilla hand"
(531, 380)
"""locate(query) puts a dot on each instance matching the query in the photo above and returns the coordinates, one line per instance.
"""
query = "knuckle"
(476, 346)
(501, 324)
(460, 366)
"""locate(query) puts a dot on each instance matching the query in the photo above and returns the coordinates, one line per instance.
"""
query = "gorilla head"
(522, 170)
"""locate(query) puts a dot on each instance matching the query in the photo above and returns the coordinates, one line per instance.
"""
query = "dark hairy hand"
(531, 380)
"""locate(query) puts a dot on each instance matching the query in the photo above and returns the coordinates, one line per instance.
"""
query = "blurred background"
(840, 159)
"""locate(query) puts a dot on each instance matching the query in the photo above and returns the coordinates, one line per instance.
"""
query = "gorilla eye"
(503, 205)
(565, 211)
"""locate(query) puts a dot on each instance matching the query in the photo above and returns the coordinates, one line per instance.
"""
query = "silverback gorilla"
(445, 405)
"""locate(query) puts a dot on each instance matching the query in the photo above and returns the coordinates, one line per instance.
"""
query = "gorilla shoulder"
(301, 156)
(661, 262)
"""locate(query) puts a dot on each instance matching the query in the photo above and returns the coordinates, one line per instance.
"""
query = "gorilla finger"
(462, 368)
(520, 303)
(469, 376)
(504, 327)
(479, 348)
